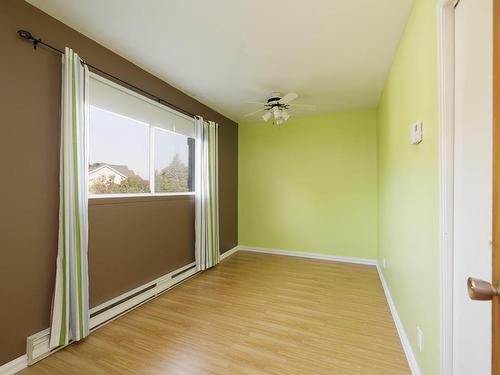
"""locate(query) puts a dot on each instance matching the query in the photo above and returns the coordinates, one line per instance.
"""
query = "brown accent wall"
(131, 241)
(135, 240)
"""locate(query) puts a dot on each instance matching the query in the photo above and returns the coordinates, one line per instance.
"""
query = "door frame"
(446, 93)
(495, 334)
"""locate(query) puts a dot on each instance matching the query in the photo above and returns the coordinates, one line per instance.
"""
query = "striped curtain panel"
(70, 306)
(207, 199)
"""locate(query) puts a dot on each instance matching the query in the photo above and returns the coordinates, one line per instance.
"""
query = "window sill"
(132, 198)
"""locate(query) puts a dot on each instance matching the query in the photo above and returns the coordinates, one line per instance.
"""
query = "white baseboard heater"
(37, 346)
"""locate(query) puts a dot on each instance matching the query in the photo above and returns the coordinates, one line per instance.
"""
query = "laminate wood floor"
(252, 314)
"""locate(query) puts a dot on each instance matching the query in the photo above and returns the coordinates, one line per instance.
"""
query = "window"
(118, 154)
(137, 146)
(172, 159)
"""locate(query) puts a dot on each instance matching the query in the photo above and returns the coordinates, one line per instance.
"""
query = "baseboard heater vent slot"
(37, 345)
(181, 272)
(95, 313)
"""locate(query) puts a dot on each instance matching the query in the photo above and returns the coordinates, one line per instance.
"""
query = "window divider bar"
(151, 159)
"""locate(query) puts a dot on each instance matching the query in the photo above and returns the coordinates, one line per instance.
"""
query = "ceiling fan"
(277, 107)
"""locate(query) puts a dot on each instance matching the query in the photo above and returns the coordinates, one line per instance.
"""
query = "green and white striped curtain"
(207, 191)
(70, 306)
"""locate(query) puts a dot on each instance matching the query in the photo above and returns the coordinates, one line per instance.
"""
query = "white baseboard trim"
(410, 357)
(14, 366)
(228, 253)
(305, 254)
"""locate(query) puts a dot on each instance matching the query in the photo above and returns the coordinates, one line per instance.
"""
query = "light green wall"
(310, 185)
(409, 183)
(313, 185)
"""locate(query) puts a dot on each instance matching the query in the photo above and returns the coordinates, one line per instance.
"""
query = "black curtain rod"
(36, 41)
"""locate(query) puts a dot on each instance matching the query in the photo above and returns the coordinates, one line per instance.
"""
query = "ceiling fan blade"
(307, 107)
(254, 112)
(288, 98)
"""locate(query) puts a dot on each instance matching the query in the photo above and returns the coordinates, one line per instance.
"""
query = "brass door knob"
(481, 290)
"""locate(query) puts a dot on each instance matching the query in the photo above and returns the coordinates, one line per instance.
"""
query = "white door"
(473, 184)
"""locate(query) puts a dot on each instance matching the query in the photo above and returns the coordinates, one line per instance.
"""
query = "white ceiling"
(333, 53)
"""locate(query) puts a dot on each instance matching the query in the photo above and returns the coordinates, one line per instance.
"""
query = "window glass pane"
(174, 159)
(118, 154)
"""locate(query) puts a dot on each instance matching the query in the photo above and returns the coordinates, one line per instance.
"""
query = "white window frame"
(152, 192)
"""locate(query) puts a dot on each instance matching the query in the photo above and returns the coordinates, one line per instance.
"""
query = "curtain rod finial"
(24, 34)
(27, 35)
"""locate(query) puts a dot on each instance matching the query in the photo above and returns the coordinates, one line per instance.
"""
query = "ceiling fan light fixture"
(284, 114)
(266, 116)
(276, 113)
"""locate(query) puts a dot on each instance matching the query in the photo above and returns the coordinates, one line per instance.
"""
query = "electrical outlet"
(384, 264)
(420, 339)
(417, 133)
